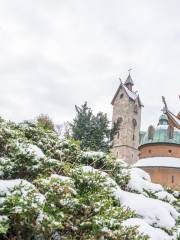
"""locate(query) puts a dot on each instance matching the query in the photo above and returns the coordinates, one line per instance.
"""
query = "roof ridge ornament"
(129, 82)
(129, 70)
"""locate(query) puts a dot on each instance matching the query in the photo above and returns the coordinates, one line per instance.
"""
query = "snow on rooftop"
(132, 95)
(158, 162)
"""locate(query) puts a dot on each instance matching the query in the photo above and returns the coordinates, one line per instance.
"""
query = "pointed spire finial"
(129, 70)
(129, 82)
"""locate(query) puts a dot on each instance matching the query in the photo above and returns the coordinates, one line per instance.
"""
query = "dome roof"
(163, 120)
(160, 134)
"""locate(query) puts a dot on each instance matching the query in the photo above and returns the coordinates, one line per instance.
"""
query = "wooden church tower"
(127, 109)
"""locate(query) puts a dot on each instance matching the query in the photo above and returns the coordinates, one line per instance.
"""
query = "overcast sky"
(58, 53)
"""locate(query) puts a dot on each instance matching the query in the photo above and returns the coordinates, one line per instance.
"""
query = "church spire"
(129, 82)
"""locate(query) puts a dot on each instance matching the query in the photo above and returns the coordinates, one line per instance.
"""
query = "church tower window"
(136, 108)
(122, 95)
(118, 135)
(133, 137)
(151, 131)
(171, 132)
(134, 122)
(119, 121)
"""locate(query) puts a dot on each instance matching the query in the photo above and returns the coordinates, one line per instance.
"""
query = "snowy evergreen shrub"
(74, 195)
(116, 168)
(64, 206)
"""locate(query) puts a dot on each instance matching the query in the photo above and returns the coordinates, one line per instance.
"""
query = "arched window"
(118, 135)
(171, 132)
(133, 137)
(136, 108)
(134, 122)
(119, 121)
(151, 132)
(122, 95)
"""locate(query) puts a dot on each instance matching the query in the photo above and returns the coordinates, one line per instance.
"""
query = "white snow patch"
(144, 175)
(93, 154)
(164, 195)
(4, 160)
(145, 229)
(121, 162)
(89, 169)
(62, 178)
(155, 212)
(131, 94)
(6, 186)
(140, 181)
(36, 150)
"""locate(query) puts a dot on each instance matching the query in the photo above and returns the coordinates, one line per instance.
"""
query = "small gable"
(132, 95)
(119, 93)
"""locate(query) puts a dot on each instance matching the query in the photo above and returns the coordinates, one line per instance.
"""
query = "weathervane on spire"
(130, 70)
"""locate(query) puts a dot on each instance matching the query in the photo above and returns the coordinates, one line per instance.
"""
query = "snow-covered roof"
(132, 95)
(158, 162)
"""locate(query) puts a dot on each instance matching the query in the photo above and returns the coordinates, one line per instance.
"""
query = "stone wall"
(128, 154)
(126, 142)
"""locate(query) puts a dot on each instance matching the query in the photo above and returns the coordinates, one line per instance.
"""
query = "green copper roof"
(163, 120)
(161, 134)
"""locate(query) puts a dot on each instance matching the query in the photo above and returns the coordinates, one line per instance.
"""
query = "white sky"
(58, 53)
